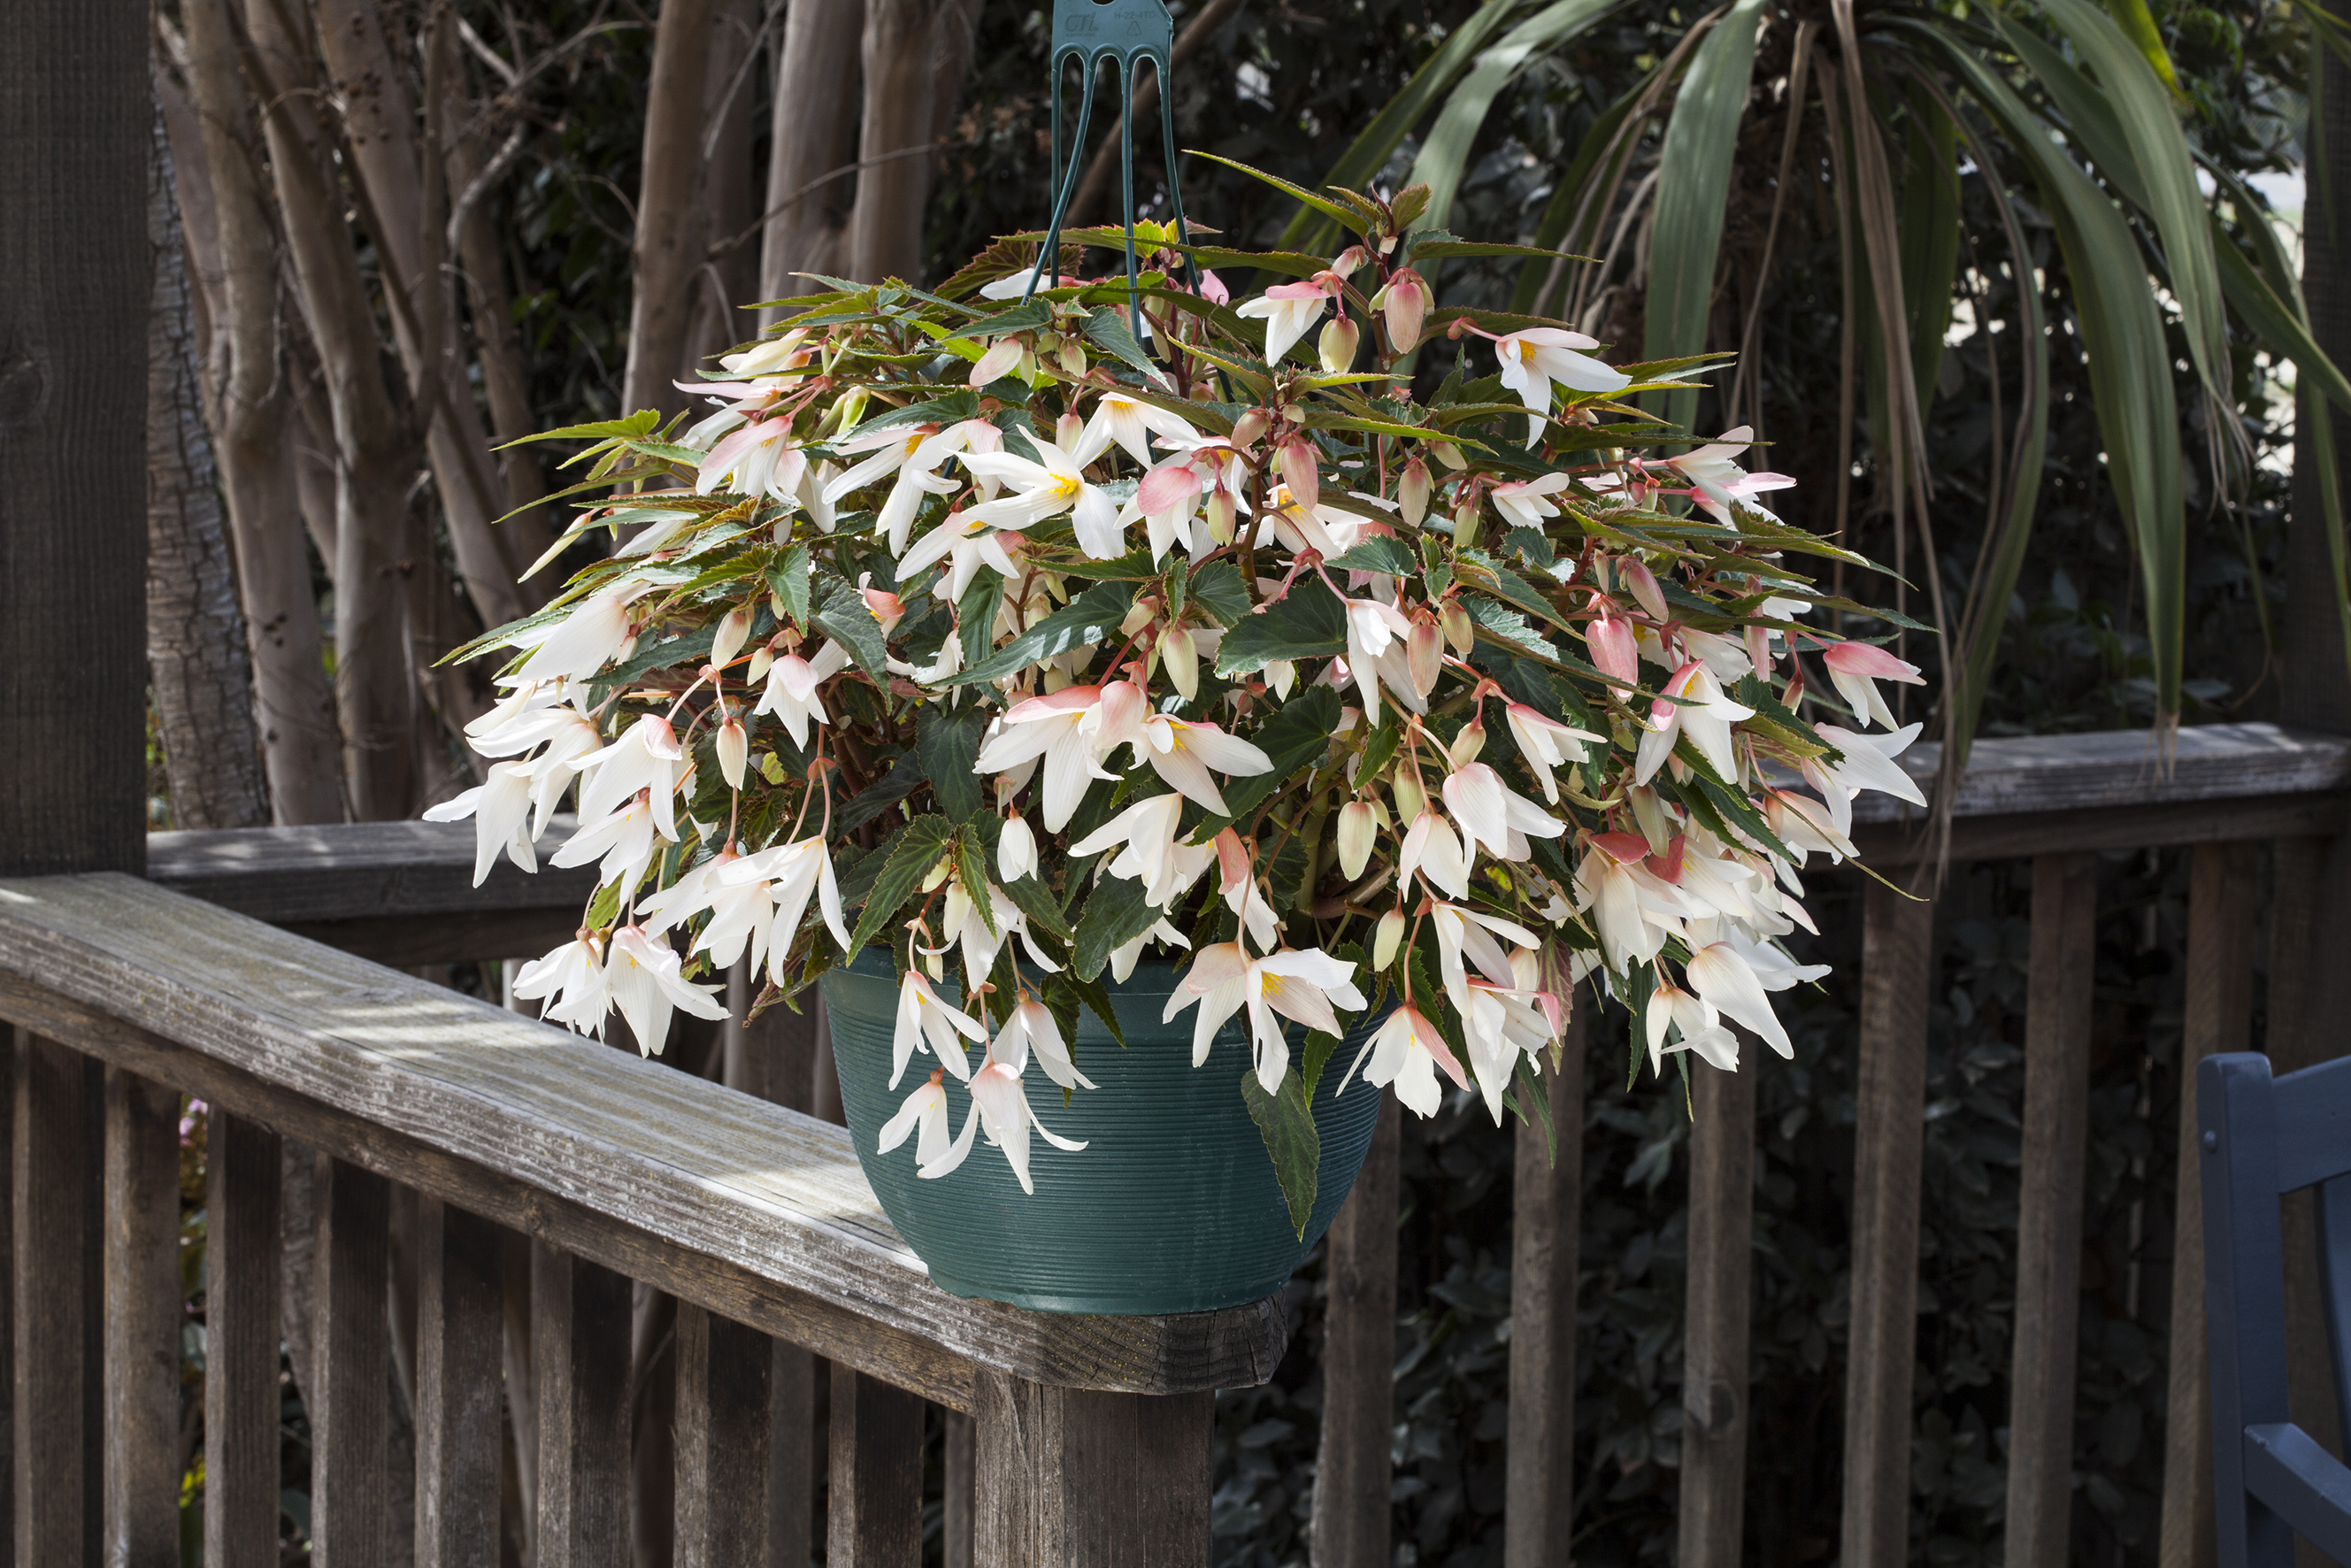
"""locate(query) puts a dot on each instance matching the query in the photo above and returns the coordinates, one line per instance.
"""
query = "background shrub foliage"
(1285, 85)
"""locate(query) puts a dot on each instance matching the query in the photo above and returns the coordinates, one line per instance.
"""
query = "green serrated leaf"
(976, 614)
(902, 779)
(917, 848)
(1030, 897)
(1216, 588)
(1287, 1122)
(1308, 623)
(971, 868)
(1090, 617)
(1097, 1000)
(1115, 914)
(1296, 736)
(846, 618)
(1378, 552)
(1108, 330)
(947, 745)
(789, 579)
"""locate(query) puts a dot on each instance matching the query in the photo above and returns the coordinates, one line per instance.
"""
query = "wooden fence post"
(579, 1336)
(459, 1329)
(55, 1493)
(1715, 1321)
(1898, 956)
(349, 1417)
(2049, 1214)
(874, 1512)
(721, 1441)
(1072, 1478)
(143, 1308)
(2217, 1017)
(1353, 1475)
(242, 1182)
(1547, 1201)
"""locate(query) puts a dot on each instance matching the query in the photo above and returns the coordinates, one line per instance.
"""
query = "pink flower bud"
(1423, 652)
(1300, 472)
(1468, 744)
(1066, 429)
(762, 658)
(1642, 584)
(1213, 289)
(1758, 650)
(1002, 359)
(1251, 427)
(1220, 515)
(1405, 300)
(733, 631)
(1356, 831)
(1412, 492)
(1337, 346)
(1614, 652)
(1347, 261)
(1180, 660)
(734, 748)
(1386, 938)
(1461, 632)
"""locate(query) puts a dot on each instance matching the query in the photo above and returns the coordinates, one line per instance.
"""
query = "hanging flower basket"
(1159, 731)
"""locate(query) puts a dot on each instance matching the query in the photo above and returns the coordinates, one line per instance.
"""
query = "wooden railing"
(1091, 1434)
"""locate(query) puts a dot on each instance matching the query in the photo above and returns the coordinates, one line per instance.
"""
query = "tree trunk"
(670, 239)
(813, 135)
(906, 42)
(198, 668)
(504, 381)
(730, 201)
(246, 397)
(376, 451)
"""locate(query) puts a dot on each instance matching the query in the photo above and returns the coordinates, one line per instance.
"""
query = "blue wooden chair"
(2263, 1137)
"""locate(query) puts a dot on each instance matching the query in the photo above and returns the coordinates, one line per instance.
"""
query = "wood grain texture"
(792, 1461)
(723, 1372)
(2022, 833)
(2049, 1207)
(1070, 1478)
(2217, 1017)
(143, 1308)
(241, 1397)
(348, 871)
(744, 1208)
(1547, 1206)
(1898, 956)
(75, 117)
(349, 1420)
(873, 1505)
(52, 1301)
(957, 1521)
(1353, 1474)
(579, 1330)
(459, 1302)
(1715, 1314)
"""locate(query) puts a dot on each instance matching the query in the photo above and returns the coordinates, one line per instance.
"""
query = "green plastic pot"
(1173, 1206)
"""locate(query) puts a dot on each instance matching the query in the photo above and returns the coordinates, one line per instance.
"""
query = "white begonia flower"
(570, 979)
(646, 987)
(924, 1019)
(1692, 703)
(1124, 959)
(1072, 730)
(1376, 631)
(1493, 815)
(1498, 1026)
(1015, 849)
(1181, 752)
(1525, 503)
(1719, 481)
(925, 1108)
(1536, 357)
(1546, 743)
(1000, 1101)
(1296, 983)
(1718, 973)
(1431, 849)
(1054, 484)
(1463, 930)
(500, 808)
(1289, 312)
(759, 458)
(1406, 1051)
(1701, 1026)
(1041, 1035)
(1856, 668)
(623, 841)
(1151, 855)
(1130, 423)
(1634, 912)
(794, 873)
(1868, 764)
(790, 691)
(965, 541)
(646, 757)
(589, 635)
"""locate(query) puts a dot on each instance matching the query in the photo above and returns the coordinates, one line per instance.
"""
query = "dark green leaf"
(1287, 1120)
(1090, 617)
(947, 744)
(976, 614)
(1500, 623)
(1033, 901)
(1217, 587)
(789, 579)
(901, 781)
(1378, 552)
(1108, 330)
(1297, 735)
(1115, 915)
(1532, 545)
(1307, 624)
(916, 851)
(1095, 997)
(846, 619)
(971, 868)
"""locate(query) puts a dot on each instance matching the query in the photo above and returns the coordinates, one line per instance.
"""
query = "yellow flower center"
(1064, 488)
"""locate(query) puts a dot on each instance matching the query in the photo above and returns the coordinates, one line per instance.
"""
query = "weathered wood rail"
(757, 1220)
(1091, 1434)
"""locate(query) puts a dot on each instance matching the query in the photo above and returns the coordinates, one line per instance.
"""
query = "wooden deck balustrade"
(1090, 1436)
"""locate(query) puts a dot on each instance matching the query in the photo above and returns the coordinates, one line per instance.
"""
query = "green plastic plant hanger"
(1126, 31)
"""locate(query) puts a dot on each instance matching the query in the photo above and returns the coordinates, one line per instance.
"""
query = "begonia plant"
(978, 627)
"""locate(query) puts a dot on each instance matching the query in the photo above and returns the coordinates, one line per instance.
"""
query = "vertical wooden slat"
(2049, 1208)
(1714, 1340)
(2217, 1017)
(460, 1290)
(348, 1418)
(776, 1060)
(1352, 1477)
(957, 1518)
(873, 1511)
(241, 1397)
(141, 1527)
(1546, 1203)
(721, 1441)
(51, 1220)
(579, 1333)
(1898, 956)
(1072, 1478)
